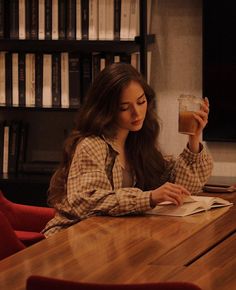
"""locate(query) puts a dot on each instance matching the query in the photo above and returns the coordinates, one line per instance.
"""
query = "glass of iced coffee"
(188, 104)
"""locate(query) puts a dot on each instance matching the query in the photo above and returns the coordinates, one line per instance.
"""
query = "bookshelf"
(50, 125)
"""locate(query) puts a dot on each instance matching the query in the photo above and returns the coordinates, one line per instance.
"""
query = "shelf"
(120, 46)
(22, 178)
(40, 109)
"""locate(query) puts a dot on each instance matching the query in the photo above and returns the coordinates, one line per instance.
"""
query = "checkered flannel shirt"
(94, 185)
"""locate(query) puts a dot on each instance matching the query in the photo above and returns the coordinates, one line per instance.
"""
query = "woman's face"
(132, 108)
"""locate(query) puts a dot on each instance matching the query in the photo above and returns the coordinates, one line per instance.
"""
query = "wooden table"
(198, 248)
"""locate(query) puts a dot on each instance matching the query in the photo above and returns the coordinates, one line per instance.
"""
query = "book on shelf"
(71, 19)
(55, 27)
(15, 80)
(62, 19)
(39, 79)
(56, 80)
(192, 204)
(21, 78)
(41, 22)
(78, 34)
(14, 143)
(102, 19)
(47, 80)
(14, 19)
(85, 19)
(109, 21)
(74, 80)
(8, 75)
(65, 80)
(125, 19)
(48, 19)
(2, 19)
(117, 10)
(2, 78)
(93, 20)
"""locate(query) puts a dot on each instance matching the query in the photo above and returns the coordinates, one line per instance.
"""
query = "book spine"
(15, 80)
(34, 19)
(30, 80)
(48, 19)
(39, 79)
(78, 20)
(74, 80)
(117, 13)
(134, 19)
(62, 19)
(8, 70)
(86, 74)
(102, 19)
(109, 22)
(125, 19)
(22, 146)
(71, 21)
(1, 145)
(2, 19)
(6, 147)
(41, 22)
(85, 18)
(47, 80)
(64, 80)
(2, 78)
(21, 78)
(22, 19)
(55, 31)
(28, 18)
(93, 20)
(13, 147)
(56, 80)
(14, 19)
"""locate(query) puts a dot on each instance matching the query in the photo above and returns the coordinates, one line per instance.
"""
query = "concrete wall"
(176, 69)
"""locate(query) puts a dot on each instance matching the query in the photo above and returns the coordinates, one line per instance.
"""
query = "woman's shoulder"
(92, 144)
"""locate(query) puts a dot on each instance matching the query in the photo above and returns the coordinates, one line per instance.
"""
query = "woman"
(112, 164)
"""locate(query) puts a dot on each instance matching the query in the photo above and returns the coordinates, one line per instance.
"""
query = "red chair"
(9, 243)
(39, 282)
(27, 221)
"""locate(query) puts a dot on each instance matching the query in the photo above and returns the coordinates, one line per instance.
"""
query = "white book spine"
(55, 34)
(65, 80)
(109, 22)
(6, 148)
(22, 34)
(125, 19)
(15, 80)
(2, 79)
(101, 19)
(93, 19)
(134, 19)
(47, 80)
(41, 22)
(78, 20)
(27, 80)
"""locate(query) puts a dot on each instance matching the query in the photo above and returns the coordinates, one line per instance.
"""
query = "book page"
(192, 204)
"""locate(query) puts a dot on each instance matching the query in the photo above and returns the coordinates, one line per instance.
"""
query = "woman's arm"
(90, 189)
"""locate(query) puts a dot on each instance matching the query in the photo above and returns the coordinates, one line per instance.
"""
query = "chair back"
(25, 217)
(39, 282)
(9, 243)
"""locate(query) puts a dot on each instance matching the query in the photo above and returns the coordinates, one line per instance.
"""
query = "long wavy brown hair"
(97, 117)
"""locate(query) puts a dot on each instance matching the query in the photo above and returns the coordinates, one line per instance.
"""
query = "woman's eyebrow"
(124, 103)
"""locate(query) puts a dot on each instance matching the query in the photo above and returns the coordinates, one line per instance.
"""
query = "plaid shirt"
(94, 185)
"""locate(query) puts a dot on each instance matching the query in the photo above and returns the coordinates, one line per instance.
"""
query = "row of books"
(58, 80)
(13, 141)
(70, 19)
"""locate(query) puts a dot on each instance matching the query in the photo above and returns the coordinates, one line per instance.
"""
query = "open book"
(192, 204)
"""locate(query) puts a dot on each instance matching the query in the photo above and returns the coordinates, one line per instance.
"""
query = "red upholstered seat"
(27, 221)
(45, 283)
(9, 243)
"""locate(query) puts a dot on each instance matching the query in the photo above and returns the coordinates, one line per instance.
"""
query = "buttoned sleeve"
(191, 170)
(90, 189)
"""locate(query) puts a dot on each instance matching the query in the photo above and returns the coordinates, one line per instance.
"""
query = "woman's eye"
(141, 102)
(124, 109)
